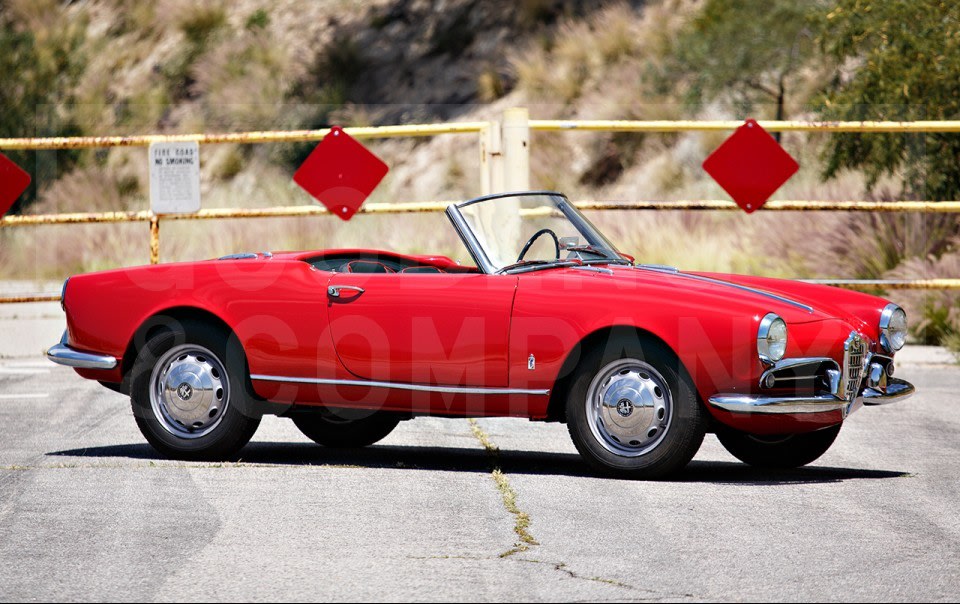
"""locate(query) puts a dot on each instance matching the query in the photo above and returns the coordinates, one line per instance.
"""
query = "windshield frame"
(570, 212)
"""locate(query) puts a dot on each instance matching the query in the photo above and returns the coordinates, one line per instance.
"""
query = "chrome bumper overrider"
(896, 390)
(64, 355)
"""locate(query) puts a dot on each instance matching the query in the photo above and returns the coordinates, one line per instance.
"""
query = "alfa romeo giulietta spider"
(550, 322)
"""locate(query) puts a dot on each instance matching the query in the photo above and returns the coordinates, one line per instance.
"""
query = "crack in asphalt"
(522, 524)
(562, 567)
(508, 494)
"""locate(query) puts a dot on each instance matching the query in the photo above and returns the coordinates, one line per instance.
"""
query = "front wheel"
(346, 428)
(632, 411)
(779, 451)
(188, 393)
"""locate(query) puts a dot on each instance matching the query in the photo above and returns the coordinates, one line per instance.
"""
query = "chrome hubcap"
(629, 407)
(189, 391)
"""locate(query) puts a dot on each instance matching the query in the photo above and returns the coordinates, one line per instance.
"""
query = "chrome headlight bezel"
(770, 345)
(889, 335)
(63, 295)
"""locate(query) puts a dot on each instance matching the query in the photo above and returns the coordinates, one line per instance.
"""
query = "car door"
(436, 328)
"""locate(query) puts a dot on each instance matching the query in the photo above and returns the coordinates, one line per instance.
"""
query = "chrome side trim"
(744, 403)
(728, 284)
(62, 354)
(398, 386)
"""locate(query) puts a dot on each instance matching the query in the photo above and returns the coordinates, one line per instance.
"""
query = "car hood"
(795, 301)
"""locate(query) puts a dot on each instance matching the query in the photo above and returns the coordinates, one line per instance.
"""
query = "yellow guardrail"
(485, 129)
(937, 207)
(721, 125)
(286, 136)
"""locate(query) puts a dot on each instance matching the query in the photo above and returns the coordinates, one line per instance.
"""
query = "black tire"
(346, 428)
(678, 440)
(783, 451)
(233, 420)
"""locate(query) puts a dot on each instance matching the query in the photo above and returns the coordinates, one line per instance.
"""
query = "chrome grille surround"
(854, 364)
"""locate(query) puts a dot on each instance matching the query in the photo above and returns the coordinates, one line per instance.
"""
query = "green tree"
(900, 61)
(751, 49)
(37, 79)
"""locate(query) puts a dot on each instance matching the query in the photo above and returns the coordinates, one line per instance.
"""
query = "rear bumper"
(896, 390)
(62, 354)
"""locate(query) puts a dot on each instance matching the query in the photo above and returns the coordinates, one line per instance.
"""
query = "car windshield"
(530, 231)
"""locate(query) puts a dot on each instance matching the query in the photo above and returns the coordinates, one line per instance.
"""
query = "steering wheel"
(556, 243)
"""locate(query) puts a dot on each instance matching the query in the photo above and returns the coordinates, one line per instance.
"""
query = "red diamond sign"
(13, 182)
(340, 173)
(750, 166)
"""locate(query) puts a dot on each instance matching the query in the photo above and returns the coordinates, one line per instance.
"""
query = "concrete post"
(516, 149)
(491, 159)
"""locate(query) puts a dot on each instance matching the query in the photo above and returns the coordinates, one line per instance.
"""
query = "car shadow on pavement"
(457, 459)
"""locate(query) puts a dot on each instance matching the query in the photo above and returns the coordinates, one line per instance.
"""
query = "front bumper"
(895, 391)
(62, 354)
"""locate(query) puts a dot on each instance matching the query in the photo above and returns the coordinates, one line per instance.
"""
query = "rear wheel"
(346, 428)
(188, 393)
(632, 410)
(778, 451)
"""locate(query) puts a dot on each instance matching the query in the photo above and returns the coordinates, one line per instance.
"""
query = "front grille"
(854, 359)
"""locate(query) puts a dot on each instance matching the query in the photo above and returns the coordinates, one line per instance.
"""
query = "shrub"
(490, 86)
(259, 19)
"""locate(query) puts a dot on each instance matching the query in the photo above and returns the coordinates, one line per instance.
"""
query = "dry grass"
(934, 315)
(688, 240)
(490, 85)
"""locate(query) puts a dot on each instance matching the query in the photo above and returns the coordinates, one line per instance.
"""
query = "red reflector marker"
(13, 182)
(340, 173)
(750, 166)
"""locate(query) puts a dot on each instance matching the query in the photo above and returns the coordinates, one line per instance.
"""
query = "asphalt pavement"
(447, 509)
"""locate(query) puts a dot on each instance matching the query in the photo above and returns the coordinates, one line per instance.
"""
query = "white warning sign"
(174, 178)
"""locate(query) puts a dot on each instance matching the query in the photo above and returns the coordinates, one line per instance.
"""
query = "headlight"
(771, 338)
(893, 328)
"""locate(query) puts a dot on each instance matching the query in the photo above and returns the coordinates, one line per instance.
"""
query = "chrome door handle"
(334, 290)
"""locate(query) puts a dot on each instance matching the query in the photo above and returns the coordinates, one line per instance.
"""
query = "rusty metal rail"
(419, 130)
(31, 298)
(891, 284)
(936, 207)
(723, 125)
(291, 136)
(439, 206)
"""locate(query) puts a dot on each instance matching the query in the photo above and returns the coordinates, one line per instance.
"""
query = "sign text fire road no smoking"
(340, 173)
(174, 178)
(750, 166)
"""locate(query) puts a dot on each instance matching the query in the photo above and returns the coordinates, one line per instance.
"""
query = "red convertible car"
(551, 323)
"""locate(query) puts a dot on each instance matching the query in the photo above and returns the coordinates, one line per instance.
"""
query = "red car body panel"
(387, 333)
(463, 328)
